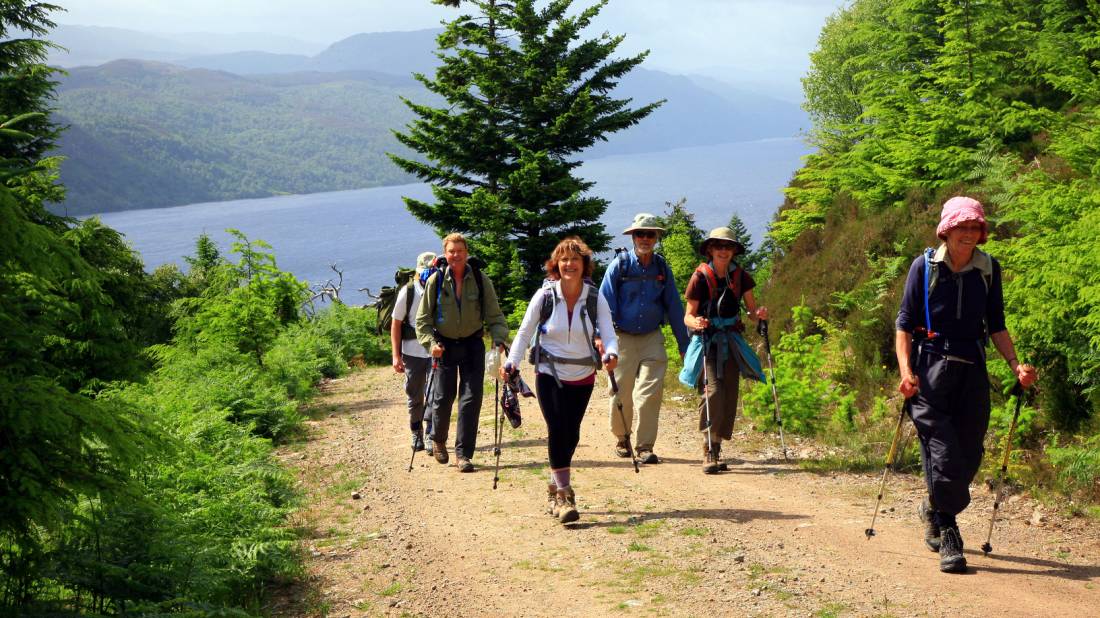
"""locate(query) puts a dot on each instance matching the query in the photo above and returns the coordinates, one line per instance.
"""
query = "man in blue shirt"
(641, 292)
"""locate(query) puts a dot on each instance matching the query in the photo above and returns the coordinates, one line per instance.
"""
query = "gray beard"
(643, 250)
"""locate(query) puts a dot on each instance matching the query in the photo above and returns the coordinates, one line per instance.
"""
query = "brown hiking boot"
(552, 499)
(710, 460)
(439, 451)
(463, 464)
(567, 506)
(722, 467)
(622, 448)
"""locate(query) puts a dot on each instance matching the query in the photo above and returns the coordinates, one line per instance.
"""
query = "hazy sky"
(758, 40)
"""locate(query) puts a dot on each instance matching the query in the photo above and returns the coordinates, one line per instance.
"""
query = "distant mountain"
(399, 53)
(144, 134)
(251, 124)
(94, 45)
(694, 116)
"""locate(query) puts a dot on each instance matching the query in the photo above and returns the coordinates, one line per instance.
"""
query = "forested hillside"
(917, 101)
(144, 134)
(147, 134)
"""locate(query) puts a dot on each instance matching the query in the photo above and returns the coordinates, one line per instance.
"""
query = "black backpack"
(387, 299)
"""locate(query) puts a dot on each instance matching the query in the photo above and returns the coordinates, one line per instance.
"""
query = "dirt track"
(762, 539)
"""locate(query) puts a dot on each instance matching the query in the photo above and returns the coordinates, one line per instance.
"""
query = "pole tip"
(870, 532)
(986, 548)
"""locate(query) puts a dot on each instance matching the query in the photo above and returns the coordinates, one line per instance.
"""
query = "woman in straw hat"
(714, 296)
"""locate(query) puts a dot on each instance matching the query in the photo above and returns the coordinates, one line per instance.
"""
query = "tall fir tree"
(524, 96)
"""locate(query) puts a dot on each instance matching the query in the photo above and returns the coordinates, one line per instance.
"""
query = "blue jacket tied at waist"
(727, 341)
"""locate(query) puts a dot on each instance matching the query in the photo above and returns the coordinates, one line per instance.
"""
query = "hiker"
(640, 289)
(561, 322)
(714, 295)
(409, 356)
(458, 303)
(951, 306)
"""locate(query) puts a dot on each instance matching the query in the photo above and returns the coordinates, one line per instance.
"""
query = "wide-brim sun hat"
(644, 221)
(958, 210)
(424, 260)
(724, 234)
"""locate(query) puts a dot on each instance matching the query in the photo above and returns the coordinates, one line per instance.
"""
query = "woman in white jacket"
(567, 354)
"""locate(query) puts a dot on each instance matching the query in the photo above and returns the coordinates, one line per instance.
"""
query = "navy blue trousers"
(951, 414)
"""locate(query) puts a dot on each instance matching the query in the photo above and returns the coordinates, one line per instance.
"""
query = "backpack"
(549, 299)
(442, 268)
(387, 299)
(622, 254)
(733, 281)
(931, 277)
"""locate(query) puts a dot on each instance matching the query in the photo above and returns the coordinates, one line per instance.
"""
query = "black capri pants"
(563, 408)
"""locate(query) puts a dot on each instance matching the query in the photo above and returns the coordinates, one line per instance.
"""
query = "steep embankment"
(764, 538)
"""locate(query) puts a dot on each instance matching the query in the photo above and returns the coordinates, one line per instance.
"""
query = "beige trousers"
(641, 378)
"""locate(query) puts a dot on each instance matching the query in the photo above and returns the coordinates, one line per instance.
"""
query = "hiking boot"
(418, 441)
(722, 467)
(622, 448)
(647, 456)
(951, 551)
(552, 499)
(463, 464)
(440, 452)
(931, 528)
(428, 450)
(567, 506)
(710, 459)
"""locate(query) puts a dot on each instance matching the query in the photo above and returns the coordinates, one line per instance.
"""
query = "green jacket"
(455, 322)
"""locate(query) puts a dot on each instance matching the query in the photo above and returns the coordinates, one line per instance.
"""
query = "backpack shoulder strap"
(592, 305)
(930, 276)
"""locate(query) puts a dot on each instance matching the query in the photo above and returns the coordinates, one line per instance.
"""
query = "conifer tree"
(524, 95)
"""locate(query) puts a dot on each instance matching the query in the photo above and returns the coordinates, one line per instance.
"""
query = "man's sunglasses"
(645, 234)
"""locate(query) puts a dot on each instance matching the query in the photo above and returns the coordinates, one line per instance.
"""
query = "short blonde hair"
(455, 237)
(569, 245)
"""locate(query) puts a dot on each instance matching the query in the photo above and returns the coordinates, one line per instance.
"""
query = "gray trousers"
(416, 377)
(951, 414)
(461, 372)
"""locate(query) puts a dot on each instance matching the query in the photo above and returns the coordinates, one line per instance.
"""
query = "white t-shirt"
(410, 347)
(563, 338)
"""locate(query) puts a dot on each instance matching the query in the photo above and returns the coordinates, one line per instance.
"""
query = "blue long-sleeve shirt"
(646, 296)
(961, 307)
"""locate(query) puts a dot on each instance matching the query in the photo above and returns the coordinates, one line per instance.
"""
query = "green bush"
(807, 398)
(1078, 467)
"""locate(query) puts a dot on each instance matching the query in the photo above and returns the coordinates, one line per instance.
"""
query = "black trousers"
(951, 414)
(563, 408)
(461, 372)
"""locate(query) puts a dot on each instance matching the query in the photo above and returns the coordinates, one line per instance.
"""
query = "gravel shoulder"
(763, 539)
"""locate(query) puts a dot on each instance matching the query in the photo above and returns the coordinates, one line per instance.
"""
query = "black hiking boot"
(418, 441)
(952, 559)
(647, 456)
(931, 528)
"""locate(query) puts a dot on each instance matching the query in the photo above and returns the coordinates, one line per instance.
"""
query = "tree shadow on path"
(630, 518)
(1050, 568)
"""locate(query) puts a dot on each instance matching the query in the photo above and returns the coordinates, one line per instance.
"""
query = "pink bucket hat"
(959, 209)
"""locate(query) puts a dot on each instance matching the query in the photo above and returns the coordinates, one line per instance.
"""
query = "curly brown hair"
(569, 245)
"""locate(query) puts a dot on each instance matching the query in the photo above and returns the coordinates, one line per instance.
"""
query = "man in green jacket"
(459, 302)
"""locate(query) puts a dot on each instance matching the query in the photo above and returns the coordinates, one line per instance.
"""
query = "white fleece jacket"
(562, 338)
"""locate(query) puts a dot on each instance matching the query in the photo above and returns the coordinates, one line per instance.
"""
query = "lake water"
(368, 233)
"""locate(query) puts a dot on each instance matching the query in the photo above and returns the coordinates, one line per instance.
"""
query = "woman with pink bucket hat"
(952, 306)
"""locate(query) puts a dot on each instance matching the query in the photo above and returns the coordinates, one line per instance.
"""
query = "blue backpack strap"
(927, 273)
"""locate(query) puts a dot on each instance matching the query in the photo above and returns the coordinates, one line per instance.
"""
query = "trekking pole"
(496, 429)
(498, 422)
(622, 418)
(706, 395)
(762, 329)
(427, 402)
(1017, 390)
(870, 532)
